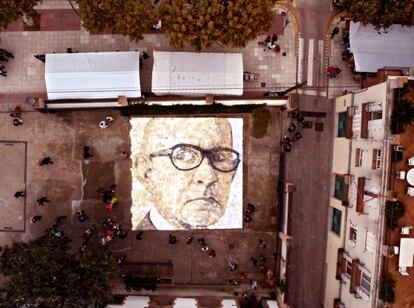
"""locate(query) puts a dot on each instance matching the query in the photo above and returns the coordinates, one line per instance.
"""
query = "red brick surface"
(52, 20)
(19, 98)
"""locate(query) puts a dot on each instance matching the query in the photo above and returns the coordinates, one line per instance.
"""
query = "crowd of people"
(16, 115)
(293, 132)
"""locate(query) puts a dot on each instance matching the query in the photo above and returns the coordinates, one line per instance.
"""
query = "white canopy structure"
(373, 51)
(92, 75)
(133, 302)
(191, 73)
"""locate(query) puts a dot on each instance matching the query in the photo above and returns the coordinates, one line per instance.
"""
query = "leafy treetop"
(381, 13)
(11, 10)
(126, 17)
(202, 23)
(43, 273)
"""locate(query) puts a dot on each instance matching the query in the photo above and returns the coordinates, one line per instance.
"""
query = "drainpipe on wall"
(384, 190)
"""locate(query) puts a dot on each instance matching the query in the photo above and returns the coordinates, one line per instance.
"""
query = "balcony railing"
(360, 195)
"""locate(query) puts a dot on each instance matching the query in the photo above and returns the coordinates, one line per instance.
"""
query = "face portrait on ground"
(187, 173)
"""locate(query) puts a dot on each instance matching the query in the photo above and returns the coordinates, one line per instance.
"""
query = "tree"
(393, 211)
(126, 17)
(386, 292)
(402, 116)
(43, 273)
(11, 10)
(202, 23)
(380, 13)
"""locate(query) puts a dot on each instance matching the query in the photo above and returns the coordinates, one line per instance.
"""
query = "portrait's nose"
(205, 174)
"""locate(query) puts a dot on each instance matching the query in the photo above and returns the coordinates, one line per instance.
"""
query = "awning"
(92, 75)
(373, 51)
(191, 73)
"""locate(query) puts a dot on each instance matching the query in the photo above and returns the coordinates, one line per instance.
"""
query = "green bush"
(402, 116)
(393, 211)
(282, 286)
(137, 283)
(387, 293)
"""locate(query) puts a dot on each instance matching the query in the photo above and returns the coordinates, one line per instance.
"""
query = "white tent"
(191, 73)
(92, 75)
(373, 51)
(133, 302)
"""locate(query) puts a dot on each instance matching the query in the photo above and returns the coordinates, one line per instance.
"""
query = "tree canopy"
(43, 273)
(11, 10)
(127, 17)
(202, 23)
(381, 13)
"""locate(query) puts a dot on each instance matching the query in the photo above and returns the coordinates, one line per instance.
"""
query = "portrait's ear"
(142, 166)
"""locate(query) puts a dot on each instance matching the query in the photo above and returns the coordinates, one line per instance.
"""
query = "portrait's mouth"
(202, 211)
(208, 203)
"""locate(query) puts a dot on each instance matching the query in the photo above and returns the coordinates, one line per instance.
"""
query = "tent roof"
(373, 51)
(191, 73)
(92, 75)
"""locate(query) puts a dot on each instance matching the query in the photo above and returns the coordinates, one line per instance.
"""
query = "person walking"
(45, 161)
(189, 239)
(81, 216)
(172, 240)
(88, 232)
(262, 244)
(41, 201)
(334, 32)
(17, 122)
(18, 194)
(86, 152)
(16, 113)
(35, 219)
(212, 253)
(123, 234)
(232, 266)
(254, 261)
(6, 53)
(138, 236)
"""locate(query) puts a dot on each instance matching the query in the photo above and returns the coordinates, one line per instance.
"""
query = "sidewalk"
(60, 29)
(344, 81)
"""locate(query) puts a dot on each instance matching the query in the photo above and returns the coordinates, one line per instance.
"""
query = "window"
(358, 157)
(353, 234)
(347, 268)
(339, 187)
(336, 221)
(342, 124)
(376, 159)
(365, 280)
(370, 241)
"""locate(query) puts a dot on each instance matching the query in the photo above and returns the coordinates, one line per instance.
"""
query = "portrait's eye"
(186, 158)
(225, 160)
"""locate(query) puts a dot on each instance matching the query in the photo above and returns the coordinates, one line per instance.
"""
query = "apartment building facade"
(361, 154)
